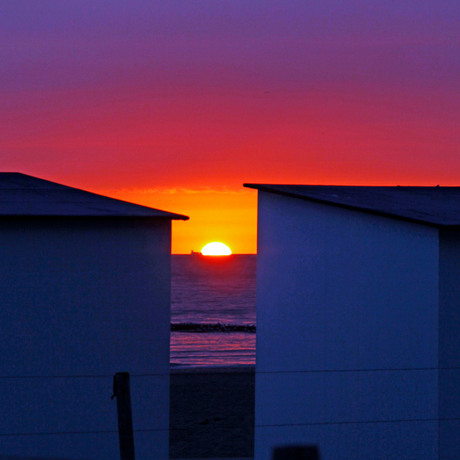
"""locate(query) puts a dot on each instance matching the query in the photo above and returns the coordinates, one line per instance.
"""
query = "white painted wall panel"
(417, 440)
(83, 297)
(322, 397)
(343, 290)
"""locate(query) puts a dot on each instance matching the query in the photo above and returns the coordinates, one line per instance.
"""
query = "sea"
(213, 310)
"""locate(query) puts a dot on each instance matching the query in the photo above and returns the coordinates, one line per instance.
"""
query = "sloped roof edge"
(25, 195)
(436, 206)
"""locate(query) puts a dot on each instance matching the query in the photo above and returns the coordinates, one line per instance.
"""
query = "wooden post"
(125, 420)
(296, 453)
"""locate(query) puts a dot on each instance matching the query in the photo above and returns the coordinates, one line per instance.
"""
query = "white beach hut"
(358, 321)
(85, 293)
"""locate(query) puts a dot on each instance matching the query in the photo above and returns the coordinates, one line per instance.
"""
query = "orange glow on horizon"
(229, 213)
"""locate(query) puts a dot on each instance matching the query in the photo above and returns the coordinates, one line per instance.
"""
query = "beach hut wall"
(358, 320)
(85, 293)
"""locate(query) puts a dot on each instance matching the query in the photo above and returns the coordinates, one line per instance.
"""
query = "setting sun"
(216, 249)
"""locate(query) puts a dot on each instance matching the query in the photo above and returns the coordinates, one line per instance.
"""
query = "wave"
(216, 327)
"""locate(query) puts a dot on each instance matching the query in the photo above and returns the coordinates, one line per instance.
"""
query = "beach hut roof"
(24, 195)
(439, 206)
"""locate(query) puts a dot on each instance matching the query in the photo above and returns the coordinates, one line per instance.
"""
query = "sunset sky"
(174, 104)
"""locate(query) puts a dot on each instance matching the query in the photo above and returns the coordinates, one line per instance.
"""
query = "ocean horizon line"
(212, 327)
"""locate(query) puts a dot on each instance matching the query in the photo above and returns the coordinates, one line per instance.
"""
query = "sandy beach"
(212, 413)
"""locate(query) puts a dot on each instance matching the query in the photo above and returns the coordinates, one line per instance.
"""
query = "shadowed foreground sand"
(212, 413)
